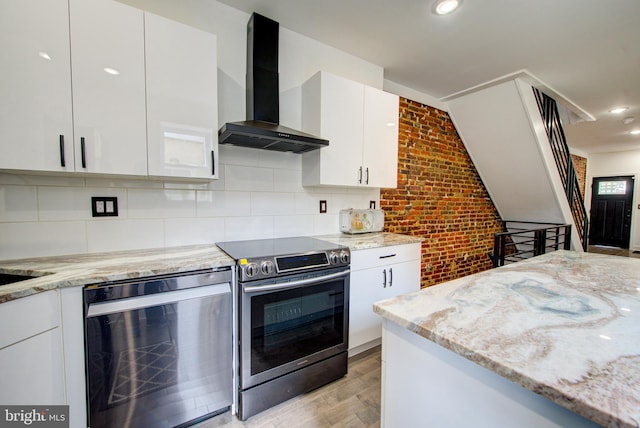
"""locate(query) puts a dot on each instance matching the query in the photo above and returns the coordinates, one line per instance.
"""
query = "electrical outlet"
(372, 205)
(323, 206)
(104, 206)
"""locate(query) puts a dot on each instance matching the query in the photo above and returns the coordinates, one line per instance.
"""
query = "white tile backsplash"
(223, 204)
(113, 234)
(35, 239)
(191, 231)
(70, 203)
(242, 228)
(287, 180)
(248, 178)
(270, 203)
(294, 225)
(161, 203)
(259, 195)
(18, 203)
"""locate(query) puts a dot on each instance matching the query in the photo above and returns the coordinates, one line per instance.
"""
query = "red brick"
(439, 197)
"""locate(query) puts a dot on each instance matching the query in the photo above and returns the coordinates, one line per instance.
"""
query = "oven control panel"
(275, 266)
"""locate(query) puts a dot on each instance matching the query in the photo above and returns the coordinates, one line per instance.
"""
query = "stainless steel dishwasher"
(159, 350)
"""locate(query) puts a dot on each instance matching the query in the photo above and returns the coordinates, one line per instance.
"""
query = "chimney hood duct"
(262, 130)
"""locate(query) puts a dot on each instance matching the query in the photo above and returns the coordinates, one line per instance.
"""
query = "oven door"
(292, 323)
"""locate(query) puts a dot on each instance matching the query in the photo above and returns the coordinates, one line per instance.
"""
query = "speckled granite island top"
(76, 270)
(564, 325)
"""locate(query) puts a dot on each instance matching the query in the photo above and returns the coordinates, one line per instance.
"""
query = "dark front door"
(611, 202)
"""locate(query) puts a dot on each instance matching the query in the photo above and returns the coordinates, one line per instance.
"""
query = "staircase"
(514, 137)
(551, 118)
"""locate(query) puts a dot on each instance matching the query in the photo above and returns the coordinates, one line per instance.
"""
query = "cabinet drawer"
(364, 259)
(28, 316)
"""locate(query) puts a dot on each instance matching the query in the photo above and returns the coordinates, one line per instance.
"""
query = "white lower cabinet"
(31, 357)
(378, 274)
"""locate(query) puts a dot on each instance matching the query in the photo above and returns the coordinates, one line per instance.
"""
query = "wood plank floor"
(353, 401)
(613, 251)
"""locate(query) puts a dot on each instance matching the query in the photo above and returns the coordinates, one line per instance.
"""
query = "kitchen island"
(552, 341)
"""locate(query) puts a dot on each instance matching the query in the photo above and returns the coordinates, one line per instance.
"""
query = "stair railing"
(520, 243)
(557, 140)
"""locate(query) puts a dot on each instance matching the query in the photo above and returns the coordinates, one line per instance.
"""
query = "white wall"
(625, 163)
(259, 194)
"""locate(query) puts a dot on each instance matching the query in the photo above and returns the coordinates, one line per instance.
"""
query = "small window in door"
(612, 187)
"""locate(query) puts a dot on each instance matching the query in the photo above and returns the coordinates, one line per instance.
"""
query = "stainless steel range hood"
(262, 130)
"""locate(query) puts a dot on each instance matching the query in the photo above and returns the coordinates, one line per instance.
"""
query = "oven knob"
(334, 258)
(267, 267)
(251, 269)
(344, 257)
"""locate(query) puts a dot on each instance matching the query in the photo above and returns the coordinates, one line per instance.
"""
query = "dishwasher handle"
(139, 302)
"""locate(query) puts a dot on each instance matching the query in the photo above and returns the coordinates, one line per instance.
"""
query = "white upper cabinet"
(96, 86)
(380, 135)
(361, 124)
(182, 99)
(35, 89)
(107, 58)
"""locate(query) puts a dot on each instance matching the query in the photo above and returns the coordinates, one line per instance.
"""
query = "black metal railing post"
(567, 237)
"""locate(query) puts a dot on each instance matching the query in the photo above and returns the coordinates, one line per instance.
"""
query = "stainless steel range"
(293, 318)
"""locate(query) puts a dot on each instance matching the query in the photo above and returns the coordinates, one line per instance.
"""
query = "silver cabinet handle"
(390, 277)
(360, 175)
(384, 278)
(366, 181)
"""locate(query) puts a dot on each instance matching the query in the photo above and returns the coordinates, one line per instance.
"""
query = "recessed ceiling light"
(628, 120)
(618, 110)
(635, 132)
(44, 55)
(111, 71)
(445, 7)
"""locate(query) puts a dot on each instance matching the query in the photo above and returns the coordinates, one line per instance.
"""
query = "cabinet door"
(366, 287)
(182, 99)
(107, 58)
(31, 351)
(34, 370)
(35, 88)
(380, 148)
(401, 278)
(342, 121)
(333, 109)
(378, 274)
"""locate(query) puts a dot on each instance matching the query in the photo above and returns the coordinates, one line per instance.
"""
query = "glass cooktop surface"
(275, 247)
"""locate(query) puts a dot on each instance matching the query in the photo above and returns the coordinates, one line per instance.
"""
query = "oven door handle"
(292, 284)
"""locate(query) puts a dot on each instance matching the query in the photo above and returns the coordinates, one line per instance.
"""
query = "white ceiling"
(586, 50)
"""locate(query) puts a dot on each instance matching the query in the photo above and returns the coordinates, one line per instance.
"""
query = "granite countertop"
(364, 241)
(77, 270)
(565, 325)
(83, 269)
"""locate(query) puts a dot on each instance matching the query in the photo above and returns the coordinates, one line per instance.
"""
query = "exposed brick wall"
(439, 197)
(580, 164)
